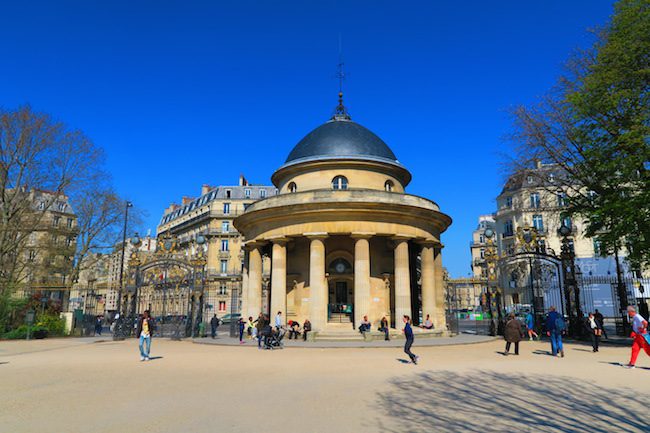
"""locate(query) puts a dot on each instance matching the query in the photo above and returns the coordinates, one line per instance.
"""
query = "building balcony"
(218, 232)
(214, 273)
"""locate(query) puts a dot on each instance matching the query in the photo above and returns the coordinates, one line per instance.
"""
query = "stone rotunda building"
(344, 238)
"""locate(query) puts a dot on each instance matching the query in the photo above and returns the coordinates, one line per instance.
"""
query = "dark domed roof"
(341, 138)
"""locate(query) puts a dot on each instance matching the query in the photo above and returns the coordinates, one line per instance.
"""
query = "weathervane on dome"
(340, 113)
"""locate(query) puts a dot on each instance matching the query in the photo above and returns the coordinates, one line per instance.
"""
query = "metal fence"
(611, 295)
(608, 294)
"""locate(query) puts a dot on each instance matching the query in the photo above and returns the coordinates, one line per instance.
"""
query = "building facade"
(478, 244)
(211, 215)
(50, 246)
(534, 200)
(469, 293)
(147, 246)
(343, 236)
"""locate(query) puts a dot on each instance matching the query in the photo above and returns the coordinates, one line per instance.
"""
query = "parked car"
(229, 318)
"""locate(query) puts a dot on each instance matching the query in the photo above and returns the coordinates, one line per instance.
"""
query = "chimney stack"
(205, 188)
(186, 200)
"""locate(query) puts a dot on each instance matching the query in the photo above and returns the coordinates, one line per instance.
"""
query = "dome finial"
(340, 113)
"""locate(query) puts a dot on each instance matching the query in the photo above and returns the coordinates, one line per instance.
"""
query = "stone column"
(254, 281)
(244, 285)
(428, 284)
(279, 278)
(402, 280)
(317, 284)
(439, 288)
(361, 277)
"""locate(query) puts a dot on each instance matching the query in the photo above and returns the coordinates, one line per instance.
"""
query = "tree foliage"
(39, 155)
(595, 126)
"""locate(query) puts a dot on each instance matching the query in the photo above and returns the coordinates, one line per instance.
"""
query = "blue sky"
(190, 92)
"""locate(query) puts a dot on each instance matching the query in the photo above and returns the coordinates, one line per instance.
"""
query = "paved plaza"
(75, 385)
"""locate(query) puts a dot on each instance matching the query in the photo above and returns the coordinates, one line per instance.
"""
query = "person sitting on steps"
(428, 324)
(365, 325)
(383, 327)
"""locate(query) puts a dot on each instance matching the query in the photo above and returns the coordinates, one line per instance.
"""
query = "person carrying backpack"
(555, 327)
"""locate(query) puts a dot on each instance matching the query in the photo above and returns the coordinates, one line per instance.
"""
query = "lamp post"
(491, 258)
(118, 334)
(567, 256)
(134, 263)
(643, 307)
(198, 262)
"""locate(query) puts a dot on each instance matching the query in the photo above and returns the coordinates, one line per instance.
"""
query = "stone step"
(339, 337)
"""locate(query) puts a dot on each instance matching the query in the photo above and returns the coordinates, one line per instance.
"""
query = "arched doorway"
(341, 291)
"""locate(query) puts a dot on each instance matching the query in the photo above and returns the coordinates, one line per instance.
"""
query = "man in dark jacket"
(555, 326)
(600, 321)
(214, 324)
(144, 331)
(408, 333)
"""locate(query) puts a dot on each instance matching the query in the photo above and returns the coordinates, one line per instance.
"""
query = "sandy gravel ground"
(78, 386)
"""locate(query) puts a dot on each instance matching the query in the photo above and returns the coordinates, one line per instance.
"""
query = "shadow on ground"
(487, 401)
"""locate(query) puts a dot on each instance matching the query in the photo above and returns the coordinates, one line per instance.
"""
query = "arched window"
(340, 182)
(340, 266)
(389, 186)
(292, 187)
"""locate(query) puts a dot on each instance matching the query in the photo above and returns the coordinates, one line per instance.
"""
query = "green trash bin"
(201, 329)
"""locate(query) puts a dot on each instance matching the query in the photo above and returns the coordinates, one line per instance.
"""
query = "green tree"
(595, 126)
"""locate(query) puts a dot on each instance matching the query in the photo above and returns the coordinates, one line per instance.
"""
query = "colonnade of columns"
(431, 268)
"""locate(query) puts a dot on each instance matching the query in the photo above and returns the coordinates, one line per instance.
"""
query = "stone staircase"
(339, 332)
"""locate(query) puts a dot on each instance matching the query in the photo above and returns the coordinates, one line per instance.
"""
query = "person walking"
(594, 330)
(512, 334)
(555, 326)
(530, 326)
(408, 333)
(241, 324)
(600, 320)
(98, 325)
(639, 334)
(145, 330)
(383, 327)
(214, 324)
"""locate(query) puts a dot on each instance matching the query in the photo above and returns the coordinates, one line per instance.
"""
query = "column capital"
(279, 240)
(429, 243)
(361, 235)
(400, 237)
(316, 235)
(250, 245)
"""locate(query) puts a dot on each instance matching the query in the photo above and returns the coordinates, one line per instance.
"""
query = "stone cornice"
(359, 205)
(286, 172)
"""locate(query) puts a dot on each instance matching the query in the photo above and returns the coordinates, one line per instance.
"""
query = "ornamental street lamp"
(118, 334)
(134, 263)
(643, 307)
(567, 256)
(198, 262)
(491, 258)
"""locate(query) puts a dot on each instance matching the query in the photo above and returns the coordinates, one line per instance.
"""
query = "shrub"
(53, 324)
